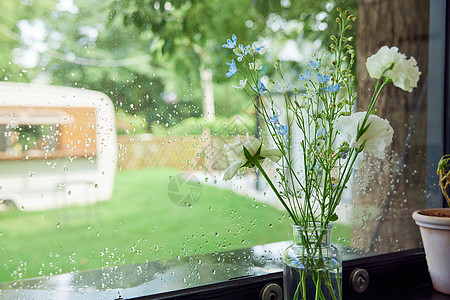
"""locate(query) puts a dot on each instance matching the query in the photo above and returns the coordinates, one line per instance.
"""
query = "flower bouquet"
(316, 140)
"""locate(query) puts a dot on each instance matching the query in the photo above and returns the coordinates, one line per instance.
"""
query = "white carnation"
(404, 73)
(377, 137)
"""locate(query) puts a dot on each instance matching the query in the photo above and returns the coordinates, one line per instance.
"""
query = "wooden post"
(388, 191)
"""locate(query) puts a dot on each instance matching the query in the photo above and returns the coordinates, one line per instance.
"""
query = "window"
(119, 193)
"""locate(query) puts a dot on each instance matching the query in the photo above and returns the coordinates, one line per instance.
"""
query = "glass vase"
(312, 266)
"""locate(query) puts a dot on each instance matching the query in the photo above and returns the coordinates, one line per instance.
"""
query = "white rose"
(404, 73)
(377, 137)
(235, 153)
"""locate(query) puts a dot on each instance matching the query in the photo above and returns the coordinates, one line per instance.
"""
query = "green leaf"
(247, 154)
(333, 217)
(258, 152)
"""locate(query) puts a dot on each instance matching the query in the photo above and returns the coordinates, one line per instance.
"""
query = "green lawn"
(138, 224)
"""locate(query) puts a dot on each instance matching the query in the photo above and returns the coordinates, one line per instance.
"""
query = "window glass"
(113, 119)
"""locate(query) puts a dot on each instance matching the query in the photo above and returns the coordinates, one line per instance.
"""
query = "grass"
(138, 224)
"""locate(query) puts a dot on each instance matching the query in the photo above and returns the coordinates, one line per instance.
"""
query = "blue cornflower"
(232, 70)
(240, 52)
(282, 129)
(320, 133)
(260, 87)
(323, 78)
(252, 49)
(231, 44)
(305, 76)
(257, 49)
(333, 88)
(315, 64)
(274, 119)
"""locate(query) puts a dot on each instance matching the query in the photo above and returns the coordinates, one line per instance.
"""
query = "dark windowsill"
(400, 275)
(239, 274)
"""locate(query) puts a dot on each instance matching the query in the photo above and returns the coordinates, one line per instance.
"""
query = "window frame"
(397, 271)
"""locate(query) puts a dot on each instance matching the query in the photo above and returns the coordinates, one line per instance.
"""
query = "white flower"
(377, 137)
(404, 73)
(235, 153)
(241, 85)
(254, 66)
(282, 86)
(382, 60)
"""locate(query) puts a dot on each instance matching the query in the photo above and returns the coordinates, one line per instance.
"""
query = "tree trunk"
(208, 94)
(388, 191)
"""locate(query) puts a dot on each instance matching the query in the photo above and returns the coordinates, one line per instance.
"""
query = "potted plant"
(434, 226)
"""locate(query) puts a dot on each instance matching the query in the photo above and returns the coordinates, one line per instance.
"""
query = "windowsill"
(129, 281)
(398, 273)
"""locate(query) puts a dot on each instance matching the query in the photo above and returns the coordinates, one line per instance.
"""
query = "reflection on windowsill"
(155, 277)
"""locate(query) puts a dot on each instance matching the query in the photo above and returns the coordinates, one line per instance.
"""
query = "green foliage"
(221, 126)
(130, 124)
(230, 102)
(147, 47)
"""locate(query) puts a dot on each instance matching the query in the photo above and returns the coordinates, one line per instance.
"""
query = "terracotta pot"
(435, 230)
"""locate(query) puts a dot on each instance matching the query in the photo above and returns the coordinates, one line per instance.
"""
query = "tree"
(187, 35)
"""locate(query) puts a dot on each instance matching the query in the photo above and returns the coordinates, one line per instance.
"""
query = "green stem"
(372, 102)
(298, 287)
(274, 189)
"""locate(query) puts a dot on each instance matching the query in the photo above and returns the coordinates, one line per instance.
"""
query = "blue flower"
(321, 133)
(231, 44)
(323, 78)
(257, 49)
(344, 154)
(315, 64)
(282, 129)
(274, 119)
(240, 52)
(333, 88)
(260, 87)
(233, 70)
(252, 49)
(305, 76)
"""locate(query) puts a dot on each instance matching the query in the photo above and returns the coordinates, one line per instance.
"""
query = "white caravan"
(58, 146)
